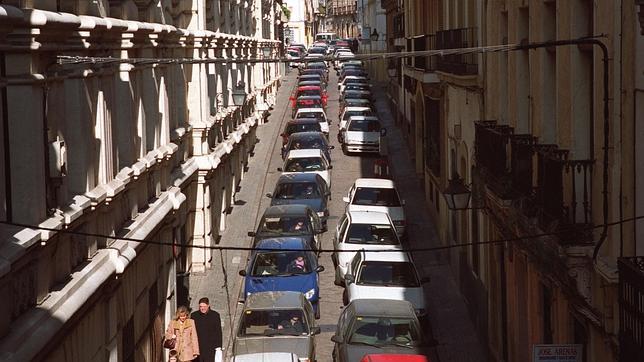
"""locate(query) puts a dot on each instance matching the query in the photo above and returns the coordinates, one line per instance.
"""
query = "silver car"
(277, 322)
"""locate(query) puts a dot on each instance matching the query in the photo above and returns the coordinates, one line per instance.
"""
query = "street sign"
(557, 352)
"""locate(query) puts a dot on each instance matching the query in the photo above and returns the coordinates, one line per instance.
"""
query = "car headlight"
(309, 294)
(420, 312)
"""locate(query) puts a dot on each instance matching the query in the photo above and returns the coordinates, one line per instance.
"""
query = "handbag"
(170, 343)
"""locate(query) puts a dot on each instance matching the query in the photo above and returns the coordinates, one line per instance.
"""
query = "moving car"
(303, 188)
(374, 194)
(391, 275)
(266, 326)
(371, 230)
(362, 134)
(289, 220)
(368, 326)
(307, 161)
(289, 265)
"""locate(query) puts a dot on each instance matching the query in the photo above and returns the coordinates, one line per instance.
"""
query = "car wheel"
(317, 311)
(338, 281)
(344, 150)
(345, 297)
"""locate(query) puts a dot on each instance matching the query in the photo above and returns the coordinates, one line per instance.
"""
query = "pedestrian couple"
(197, 336)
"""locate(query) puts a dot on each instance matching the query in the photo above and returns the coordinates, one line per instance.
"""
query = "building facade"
(300, 26)
(105, 157)
(342, 18)
(526, 131)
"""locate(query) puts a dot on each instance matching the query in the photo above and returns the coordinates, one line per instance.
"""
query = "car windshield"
(303, 127)
(294, 53)
(305, 164)
(301, 143)
(297, 190)
(272, 322)
(308, 92)
(285, 225)
(372, 234)
(374, 196)
(309, 102)
(389, 274)
(364, 125)
(317, 50)
(280, 263)
(383, 331)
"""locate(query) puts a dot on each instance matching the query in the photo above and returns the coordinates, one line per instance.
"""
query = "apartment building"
(301, 22)
(342, 15)
(546, 147)
(134, 138)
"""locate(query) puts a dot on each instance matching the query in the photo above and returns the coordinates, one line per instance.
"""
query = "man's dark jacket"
(208, 333)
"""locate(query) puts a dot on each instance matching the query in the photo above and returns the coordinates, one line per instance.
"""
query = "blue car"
(305, 188)
(288, 265)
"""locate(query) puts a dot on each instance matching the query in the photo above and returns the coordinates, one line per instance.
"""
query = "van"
(326, 37)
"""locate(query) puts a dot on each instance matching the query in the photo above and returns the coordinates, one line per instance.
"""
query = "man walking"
(208, 323)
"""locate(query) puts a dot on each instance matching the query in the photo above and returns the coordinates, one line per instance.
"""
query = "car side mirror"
(425, 280)
(320, 268)
(242, 272)
(251, 234)
(336, 339)
(330, 167)
(346, 199)
(383, 132)
(279, 169)
(316, 330)
(348, 278)
(269, 196)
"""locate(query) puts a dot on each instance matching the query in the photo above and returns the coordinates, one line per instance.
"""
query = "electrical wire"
(426, 249)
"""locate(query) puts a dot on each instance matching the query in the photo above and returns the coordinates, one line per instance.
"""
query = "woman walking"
(183, 330)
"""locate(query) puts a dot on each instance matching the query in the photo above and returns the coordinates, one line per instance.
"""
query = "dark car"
(385, 326)
(312, 83)
(358, 86)
(313, 76)
(321, 72)
(348, 94)
(289, 220)
(300, 125)
(358, 72)
(303, 140)
(305, 188)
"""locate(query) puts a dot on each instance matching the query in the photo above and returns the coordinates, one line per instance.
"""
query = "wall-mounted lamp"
(457, 194)
(239, 94)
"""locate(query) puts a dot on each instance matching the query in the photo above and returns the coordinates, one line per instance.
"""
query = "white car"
(390, 275)
(375, 194)
(341, 56)
(362, 134)
(318, 113)
(354, 111)
(352, 79)
(361, 229)
(307, 160)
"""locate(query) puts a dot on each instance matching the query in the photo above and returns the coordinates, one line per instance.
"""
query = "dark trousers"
(206, 356)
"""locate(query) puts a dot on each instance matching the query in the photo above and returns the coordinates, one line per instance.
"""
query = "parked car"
(312, 77)
(307, 161)
(300, 125)
(293, 55)
(276, 269)
(374, 194)
(276, 321)
(391, 275)
(312, 82)
(308, 91)
(317, 113)
(289, 220)
(307, 102)
(368, 326)
(348, 112)
(352, 79)
(355, 93)
(355, 102)
(371, 230)
(303, 140)
(362, 134)
(303, 188)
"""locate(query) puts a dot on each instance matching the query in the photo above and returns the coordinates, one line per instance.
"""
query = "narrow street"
(452, 330)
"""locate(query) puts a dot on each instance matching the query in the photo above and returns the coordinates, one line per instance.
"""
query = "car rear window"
(302, 127)
(387, 274)
(372, 196)
(305, 164)
(364, 125)
(264, 322)
(379, 331)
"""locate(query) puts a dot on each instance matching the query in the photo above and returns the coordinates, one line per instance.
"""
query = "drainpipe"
(602, 46)
(5, 140)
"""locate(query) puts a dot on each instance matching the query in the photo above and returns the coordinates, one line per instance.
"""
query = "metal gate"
(631, 309)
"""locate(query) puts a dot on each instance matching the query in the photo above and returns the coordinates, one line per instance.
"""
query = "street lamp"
(266, 51)
(374, 35)
(239, 94)
(457, 194)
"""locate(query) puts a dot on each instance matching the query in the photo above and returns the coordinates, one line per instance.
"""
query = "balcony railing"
(631, 308)
(560, 200)
(422, 43)
(461, 64)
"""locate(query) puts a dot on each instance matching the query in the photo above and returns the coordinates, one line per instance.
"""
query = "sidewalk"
(451, 327)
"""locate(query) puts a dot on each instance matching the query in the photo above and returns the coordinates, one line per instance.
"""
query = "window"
(432, 136)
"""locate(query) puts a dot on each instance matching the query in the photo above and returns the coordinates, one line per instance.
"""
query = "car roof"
(310, 110)
(275, 300)
(307, 134)
(355, 77)
(299, 177)
(369, 217)
(357, 109)
(302, 121)
(307, 152)
(288, 209)
(394, 256)
(364, 118)
(290, 243)
(375, 182)
(382, 307)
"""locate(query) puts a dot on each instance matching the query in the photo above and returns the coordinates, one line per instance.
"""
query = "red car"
(394, 358)
(308, 91)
